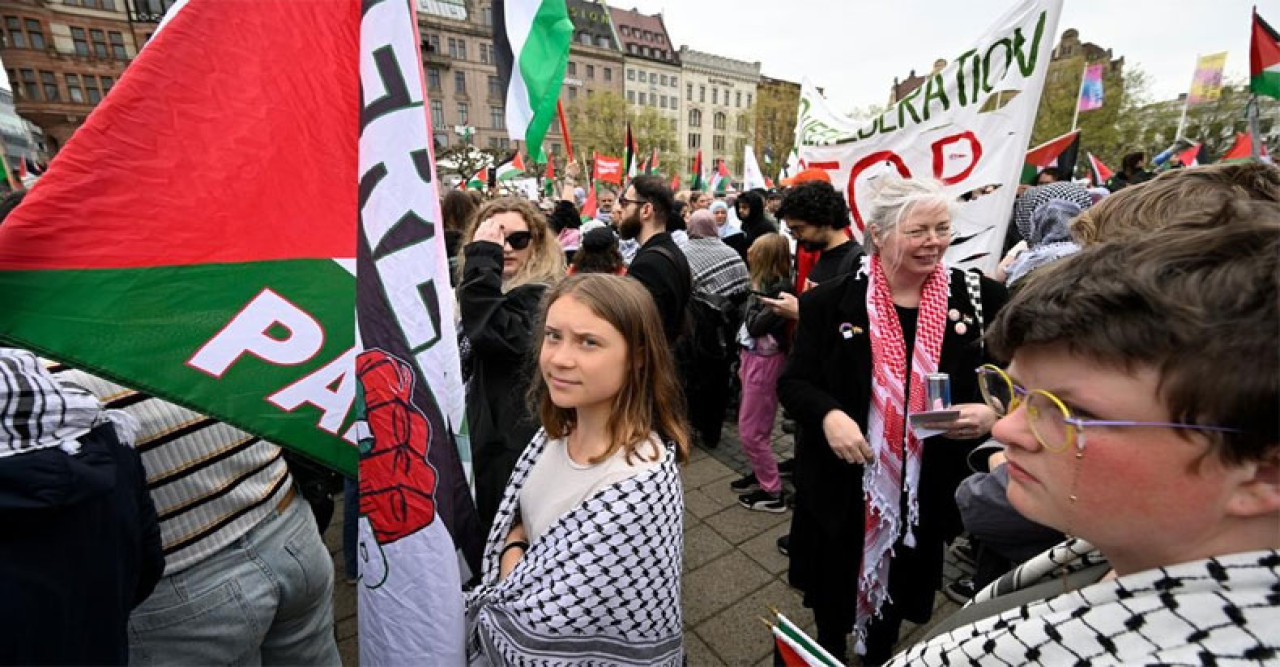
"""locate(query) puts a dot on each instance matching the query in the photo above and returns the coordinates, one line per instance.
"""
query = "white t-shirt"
(558, 484)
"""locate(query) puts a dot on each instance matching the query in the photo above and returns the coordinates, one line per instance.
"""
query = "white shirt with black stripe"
(211, 482)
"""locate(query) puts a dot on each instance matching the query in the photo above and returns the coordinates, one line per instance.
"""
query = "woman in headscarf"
(729, 232)
(751, 217)
(1048, 240)
(1018, 237)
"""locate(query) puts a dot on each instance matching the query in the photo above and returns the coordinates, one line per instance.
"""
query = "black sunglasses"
(519, 240)
(623, 201)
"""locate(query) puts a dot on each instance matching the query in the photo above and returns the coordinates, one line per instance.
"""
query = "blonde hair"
(651, 398)
(896, 198)
(768, 260)
(546, 258)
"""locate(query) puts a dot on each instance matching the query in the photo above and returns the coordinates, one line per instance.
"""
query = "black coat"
(500, 329)
(660, 273)
(79, 549)
(826, 371)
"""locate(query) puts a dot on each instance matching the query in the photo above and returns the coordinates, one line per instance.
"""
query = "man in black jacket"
(644, 211)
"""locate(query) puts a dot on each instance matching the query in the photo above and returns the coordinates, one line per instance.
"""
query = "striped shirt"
(211, 482)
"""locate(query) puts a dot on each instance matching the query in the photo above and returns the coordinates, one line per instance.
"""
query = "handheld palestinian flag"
(629, 155)
(1264, 59)
(1242, 149)
(510, 168)
(794, 648)
(720, 179)
(280, 276)
(531, 50)
(480, 180)
(653, 162)
(1059, 153)
(696, 182)
(1195, 156)
(1099, 171)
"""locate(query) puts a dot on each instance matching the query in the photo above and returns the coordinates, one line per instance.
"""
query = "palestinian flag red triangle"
(1099, 172)
(195, 199)
(1059, 153)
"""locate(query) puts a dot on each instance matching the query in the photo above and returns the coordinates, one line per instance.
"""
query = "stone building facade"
(719, 95)
(652, 64)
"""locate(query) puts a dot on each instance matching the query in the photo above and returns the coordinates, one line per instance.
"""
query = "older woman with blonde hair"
(508, 261)
(875, 498)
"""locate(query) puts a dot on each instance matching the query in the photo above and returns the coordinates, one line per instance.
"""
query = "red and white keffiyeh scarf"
(894, 446)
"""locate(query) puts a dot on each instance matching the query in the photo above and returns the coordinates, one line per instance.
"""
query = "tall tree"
(599, 124)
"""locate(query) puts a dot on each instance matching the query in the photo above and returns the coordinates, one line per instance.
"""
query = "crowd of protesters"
(1108, 454)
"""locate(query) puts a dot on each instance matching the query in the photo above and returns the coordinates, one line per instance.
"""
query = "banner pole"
(1255, 134)
(1182, 122)
(1083, 75)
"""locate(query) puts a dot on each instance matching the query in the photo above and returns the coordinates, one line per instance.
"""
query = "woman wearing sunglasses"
(1139, 416)
(874, 499)
(508, 261)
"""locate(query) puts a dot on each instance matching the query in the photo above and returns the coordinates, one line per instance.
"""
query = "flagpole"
(1182, 122)
(1255, 133)
(1083, 75)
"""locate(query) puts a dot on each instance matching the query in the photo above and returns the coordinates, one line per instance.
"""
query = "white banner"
(967, 126)
(751, 176)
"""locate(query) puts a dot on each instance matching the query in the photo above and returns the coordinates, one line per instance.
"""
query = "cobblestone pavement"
(733, 572)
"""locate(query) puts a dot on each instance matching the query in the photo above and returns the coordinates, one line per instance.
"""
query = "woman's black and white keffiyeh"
(601, 586)
(39, 412)
(1218, 611)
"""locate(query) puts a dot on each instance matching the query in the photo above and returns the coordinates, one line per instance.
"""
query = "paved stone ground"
(733, 572)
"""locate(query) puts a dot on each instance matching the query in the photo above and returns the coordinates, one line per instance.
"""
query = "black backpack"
(709, 329)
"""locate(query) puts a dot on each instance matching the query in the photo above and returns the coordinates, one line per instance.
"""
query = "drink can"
(938, 391)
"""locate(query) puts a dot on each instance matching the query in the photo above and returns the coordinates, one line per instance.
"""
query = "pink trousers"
(759, 377)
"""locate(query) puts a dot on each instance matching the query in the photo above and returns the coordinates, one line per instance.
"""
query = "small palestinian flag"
(653, 162)
(531, 50)
(1264, 59)
(794, 648)
(1195, 156)
(720, 179)
(479, 180)
(1059, 153)
(510, 168)
(1242, 149)
(629, 156)
(1098, 171)
(696, 182)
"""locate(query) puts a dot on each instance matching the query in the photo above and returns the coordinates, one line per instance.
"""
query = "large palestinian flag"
(1264, 59)
(215, 251)
(531, 50)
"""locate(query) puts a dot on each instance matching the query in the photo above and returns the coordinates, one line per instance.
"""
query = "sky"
(854, 48)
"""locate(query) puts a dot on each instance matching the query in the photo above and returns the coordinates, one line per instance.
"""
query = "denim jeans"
(265, 599)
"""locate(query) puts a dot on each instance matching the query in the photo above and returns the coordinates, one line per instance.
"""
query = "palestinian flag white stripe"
(531, 49)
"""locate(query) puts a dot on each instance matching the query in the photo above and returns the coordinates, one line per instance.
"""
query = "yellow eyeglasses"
(1049, 418)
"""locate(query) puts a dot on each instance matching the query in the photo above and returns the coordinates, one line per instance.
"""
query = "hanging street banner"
(218, 252)
(967, 126)
(1206, 83)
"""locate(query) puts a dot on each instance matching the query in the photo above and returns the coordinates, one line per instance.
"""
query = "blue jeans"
(266, 598)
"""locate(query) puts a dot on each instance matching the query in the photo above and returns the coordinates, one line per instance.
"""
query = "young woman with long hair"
(508, 261)
(584, 558)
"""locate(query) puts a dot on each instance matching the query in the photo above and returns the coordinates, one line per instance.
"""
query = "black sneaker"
(763, 501)
(745, 484)
(783, 543)
(787, 468)
(960, 591)
(964, 551)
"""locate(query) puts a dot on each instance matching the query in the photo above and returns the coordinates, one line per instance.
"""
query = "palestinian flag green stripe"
(141, 327)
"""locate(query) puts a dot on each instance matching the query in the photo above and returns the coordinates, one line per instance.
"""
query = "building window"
(495, 88)
(662, 101)
(631, 74)
(720, 121)
(81, 39)
(460, 83)
(602, 42)
(663, 79)
(462, 50)
(497, 118)
(433, 78)
(702, 94)
(50, 87)
(717, 142)
(29, 85)
(695, 118)
(642, 99)
(99, 43)
(73, 89)
(453, 48)
(688, 92)
(17, 38)
(573, 93)
(107, 83)
(117, 46)
(571, 69)
(36, 34)
(13, 81)
(437, 113)
(748, 99)
(631, 97)
(643, 76)
(584, 38)
(463, 116)
(737, 99)
(486, 15)
(715, 96)
(742, 123)
(432, 43)
(695, 140)
(591, 72)
(608, 74)
(91, 89)
(485, 51)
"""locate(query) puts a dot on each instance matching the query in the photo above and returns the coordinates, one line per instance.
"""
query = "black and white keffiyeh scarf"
(600, 586)
(1222, 610)
(39, 412)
